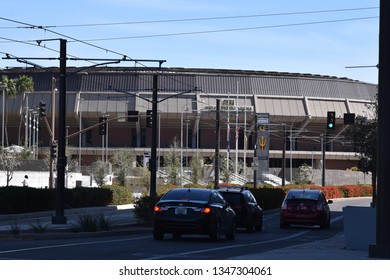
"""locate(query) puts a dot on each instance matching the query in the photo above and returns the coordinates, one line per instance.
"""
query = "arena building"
(297, 105)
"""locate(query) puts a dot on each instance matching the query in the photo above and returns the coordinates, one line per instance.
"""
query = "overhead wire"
(207, 18)
(227, 30)
(87, 41)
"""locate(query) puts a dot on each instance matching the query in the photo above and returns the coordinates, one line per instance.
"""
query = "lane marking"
(71, 245)
(229, 247)
(238, 245)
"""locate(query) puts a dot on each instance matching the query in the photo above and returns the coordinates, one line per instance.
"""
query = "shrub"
(268, 198)
(164, 189)
(143, 208)
(354, 191)
(14, 228)
(15, 200)
(38, 227)
(103, 222)
(91, 223)
(120, 194)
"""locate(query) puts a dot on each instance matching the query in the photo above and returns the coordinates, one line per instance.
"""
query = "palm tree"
(9, 89)
(23, 84)
(12, 87)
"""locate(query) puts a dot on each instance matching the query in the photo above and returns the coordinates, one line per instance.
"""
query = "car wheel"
(215, 234)
(232, 234)
(158, 235)
(259, 226)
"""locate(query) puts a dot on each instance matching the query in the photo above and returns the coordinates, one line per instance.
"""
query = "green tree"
(303, 175)
(23, 84)
(224, 169)
(9, 90)
(9, 162)
(172, 162)
(99, 171)
(144, 175)
(364, 138)
(122, 161)
(196, 169)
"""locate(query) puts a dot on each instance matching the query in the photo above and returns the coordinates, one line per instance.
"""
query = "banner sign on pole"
(263, 138)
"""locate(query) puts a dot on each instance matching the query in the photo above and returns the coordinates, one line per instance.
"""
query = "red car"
(305, 207)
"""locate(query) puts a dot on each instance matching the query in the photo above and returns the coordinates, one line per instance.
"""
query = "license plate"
(181, 211)
(303, 208)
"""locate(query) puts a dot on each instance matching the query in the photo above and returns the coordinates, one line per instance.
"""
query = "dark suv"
(248, 213)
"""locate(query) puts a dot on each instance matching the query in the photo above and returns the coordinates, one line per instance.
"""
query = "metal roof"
(113, 90)
(207, 80)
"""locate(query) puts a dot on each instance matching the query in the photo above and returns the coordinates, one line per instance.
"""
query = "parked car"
(193, 211)
(305, 207)
(248, 212)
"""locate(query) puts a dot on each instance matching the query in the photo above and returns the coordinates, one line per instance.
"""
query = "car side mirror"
(330, 201)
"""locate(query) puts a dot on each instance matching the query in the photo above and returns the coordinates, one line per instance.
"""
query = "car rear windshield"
(187, 194)
(232, 198)
(302, 195)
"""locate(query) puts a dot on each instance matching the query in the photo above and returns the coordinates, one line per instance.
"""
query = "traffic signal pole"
(59, 218)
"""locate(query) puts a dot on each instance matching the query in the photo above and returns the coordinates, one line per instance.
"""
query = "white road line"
(238, 246)
(229, 247)
(70, 245)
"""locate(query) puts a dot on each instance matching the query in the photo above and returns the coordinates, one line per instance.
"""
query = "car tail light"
(158, 209)
(206, 210)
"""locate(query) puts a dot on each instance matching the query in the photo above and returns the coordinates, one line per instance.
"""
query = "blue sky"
(277, 35)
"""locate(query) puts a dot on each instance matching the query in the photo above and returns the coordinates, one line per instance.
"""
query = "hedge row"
(338, 191)
(15, 200)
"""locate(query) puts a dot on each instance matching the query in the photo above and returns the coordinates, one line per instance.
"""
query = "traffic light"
(53, 150)
(132, 116)
(349, 118)
(331, 120)
(103, 126)
(149, 119)
(42, 108)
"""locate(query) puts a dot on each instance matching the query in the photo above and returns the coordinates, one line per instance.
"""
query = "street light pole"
(107, 139)
(80, 128)
(291, 144)
(187, 122)
(217, 144)
(53, 114)
(2, 120)
(181, 149)
(61, 160)
(181, 145)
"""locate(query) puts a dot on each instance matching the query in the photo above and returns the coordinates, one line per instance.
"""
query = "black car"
(305, 207)
(248, 212)
(193, 211)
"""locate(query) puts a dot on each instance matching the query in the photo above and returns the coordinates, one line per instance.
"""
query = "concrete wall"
(40, 179)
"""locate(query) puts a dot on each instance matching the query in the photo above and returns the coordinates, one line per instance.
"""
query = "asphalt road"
(141, 246)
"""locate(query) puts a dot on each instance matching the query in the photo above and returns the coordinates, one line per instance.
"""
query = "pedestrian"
(25, 181)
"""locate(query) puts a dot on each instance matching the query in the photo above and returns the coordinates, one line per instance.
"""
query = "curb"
(61, 234)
